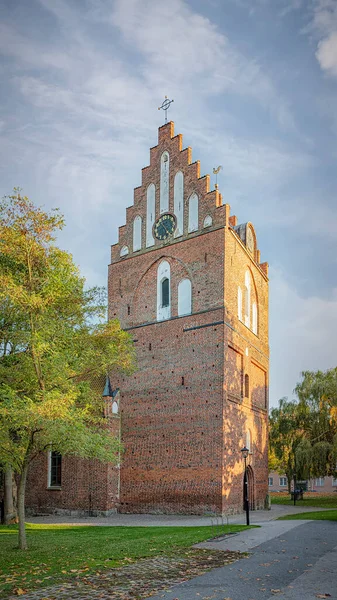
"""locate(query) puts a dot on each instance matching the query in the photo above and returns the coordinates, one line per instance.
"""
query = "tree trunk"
(9, 513)
(21, 506)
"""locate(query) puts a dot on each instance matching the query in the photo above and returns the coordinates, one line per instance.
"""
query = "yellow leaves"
(20, 591)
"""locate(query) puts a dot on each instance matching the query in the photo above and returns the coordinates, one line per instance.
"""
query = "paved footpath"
(300, 563)
(293, 560)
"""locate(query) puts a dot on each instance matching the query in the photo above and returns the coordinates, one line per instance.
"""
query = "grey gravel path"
(299, 564)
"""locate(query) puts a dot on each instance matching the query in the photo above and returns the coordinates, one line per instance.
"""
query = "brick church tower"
(186, 281)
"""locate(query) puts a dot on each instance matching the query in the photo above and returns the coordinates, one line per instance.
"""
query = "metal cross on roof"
(165, 106)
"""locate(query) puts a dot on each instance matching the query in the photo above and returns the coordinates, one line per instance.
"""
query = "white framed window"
(283, 482)
(249, 441)
(54, 469)
(254, 318)
(270, 481)
(137, 233)
(184, 297)
(247, 299)
(163, 291)
(193, 213)
(124, 251)
(150, 214)
(164, 182)
(319, 482)
(208, 221)
(179, 203)
(239, 303)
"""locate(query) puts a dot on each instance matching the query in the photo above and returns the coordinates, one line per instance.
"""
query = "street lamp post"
(245, 452)
(294, 477)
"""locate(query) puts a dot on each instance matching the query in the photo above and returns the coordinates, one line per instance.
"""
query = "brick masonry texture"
(186, 411)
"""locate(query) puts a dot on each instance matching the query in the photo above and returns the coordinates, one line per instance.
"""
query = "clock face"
(164, 226)
(250, 240)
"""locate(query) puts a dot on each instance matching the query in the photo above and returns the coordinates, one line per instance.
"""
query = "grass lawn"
(59, 552)
(309, 499)
(326, 515)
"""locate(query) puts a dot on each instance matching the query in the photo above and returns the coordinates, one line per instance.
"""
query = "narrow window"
(184, 297)
(179, 203)
(164, 182)
(247, 299)
(165, 292)
(193, 216)
(54, 469)
(150, 214)
(249, 441)
(129, 309)
(137, 233)
(239, 303)
(270, 481)
(254, 318)
(247, 386)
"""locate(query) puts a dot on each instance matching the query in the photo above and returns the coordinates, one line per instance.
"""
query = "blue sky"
(254, 84)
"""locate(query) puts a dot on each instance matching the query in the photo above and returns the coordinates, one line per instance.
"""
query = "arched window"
(208, 221)
(247, 299)
(163, 291)
(184, 297)
(239, 303)
(254, 318)
(150, 213)
(124, 251)
(164, 182)
(249, 441)
(193, 216)
(179, 202)
(137, 233)
(246, 386)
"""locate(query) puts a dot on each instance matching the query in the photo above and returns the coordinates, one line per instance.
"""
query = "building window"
(283, 482)
(193, 216)
(246, 386)
(254, 318)
(124, 251)
(164, 182)
(247, 299)
(208, 221)
(54, 469)
(239, 303)
(249, 441)
(165, 292)
(319, 482)
(179, 203)
(184, 297)
(270, 481)
(150, 214)
(137, 233)
(334, 481)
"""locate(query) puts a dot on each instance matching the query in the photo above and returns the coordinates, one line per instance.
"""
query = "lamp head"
(245, 452)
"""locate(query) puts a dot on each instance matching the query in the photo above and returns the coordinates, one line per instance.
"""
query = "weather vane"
(165, 106)
(216, 171)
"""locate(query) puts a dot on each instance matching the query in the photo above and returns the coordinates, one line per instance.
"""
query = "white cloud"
(302, 334)
(327, 54)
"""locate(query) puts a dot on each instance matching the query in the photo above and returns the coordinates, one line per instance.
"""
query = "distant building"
(279, 483)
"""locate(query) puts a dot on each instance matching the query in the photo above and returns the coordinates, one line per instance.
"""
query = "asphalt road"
(298, 564)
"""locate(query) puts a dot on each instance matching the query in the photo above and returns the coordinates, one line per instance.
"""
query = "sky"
(254, 84)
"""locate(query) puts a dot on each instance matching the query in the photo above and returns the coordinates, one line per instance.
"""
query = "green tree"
(54, 341)
(317, 393)
(285, 434)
